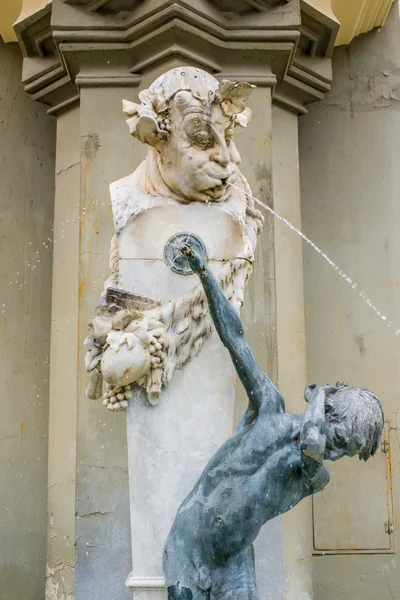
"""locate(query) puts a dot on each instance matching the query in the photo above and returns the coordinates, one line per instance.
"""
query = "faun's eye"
(202, 138)
(199, 132)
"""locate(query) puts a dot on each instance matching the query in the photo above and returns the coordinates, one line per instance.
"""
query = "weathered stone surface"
(191, 182)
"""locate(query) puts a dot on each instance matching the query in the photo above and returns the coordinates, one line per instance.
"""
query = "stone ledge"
(145, 583)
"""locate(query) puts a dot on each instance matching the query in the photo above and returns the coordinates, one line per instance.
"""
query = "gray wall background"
(350, 180)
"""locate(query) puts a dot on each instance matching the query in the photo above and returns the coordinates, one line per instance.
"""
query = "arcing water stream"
(339, 271)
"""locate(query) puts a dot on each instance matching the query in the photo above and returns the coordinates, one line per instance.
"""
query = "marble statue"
(273, 461)
(191, 176)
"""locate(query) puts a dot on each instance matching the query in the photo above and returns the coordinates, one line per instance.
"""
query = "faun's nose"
(221, 155)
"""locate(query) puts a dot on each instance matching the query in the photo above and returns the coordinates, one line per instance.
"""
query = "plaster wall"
(27, 137)
(350, 181)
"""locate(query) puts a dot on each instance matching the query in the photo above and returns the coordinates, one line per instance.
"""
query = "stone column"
(297, 539)
(86, 57)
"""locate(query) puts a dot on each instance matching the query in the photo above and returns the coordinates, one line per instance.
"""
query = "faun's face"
(340, 441)
(199, 159)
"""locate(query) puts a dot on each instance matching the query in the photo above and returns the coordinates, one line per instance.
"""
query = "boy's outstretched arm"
(313, 436)
(259, 388)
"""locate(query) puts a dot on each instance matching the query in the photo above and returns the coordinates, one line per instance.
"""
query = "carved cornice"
(111, 6)
(65, 45)
(310, 73)
(229, 6)
(266, 4)
(355, 16)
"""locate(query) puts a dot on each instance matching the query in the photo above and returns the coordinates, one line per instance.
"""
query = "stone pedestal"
(169, 444)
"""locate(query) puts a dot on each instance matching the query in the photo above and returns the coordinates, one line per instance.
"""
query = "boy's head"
(354, 423)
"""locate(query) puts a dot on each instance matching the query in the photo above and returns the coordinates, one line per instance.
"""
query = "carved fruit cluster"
(116, 398)
(164, 122)
(157, 351)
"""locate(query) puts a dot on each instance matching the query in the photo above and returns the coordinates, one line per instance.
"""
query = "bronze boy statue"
(273, 461)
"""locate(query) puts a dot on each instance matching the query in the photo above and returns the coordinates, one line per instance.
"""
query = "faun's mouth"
(217, 191)
(222, 182)
(220, 188)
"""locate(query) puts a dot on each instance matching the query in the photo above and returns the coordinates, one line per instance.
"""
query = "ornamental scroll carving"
(187, 118)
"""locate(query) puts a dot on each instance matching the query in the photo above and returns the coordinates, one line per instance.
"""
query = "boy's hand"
(197, 261)
(312, 390)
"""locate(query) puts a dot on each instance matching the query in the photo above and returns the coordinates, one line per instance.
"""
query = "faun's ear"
(142, 122)
(147, 130)
(236, 93)
(233, 100)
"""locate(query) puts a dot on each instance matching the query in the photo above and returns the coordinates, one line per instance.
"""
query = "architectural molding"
(287, 47)
(354, 18)
(238, 6)
(100, 80)
(266, 4)
(145, 583)
(310, 72)
(179, 52)
(268, 80)
(62, 106)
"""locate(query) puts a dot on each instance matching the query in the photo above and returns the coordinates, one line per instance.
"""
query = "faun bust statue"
(191, 176)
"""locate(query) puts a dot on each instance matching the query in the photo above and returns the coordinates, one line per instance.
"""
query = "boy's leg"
(236, 579)
(183, 579)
